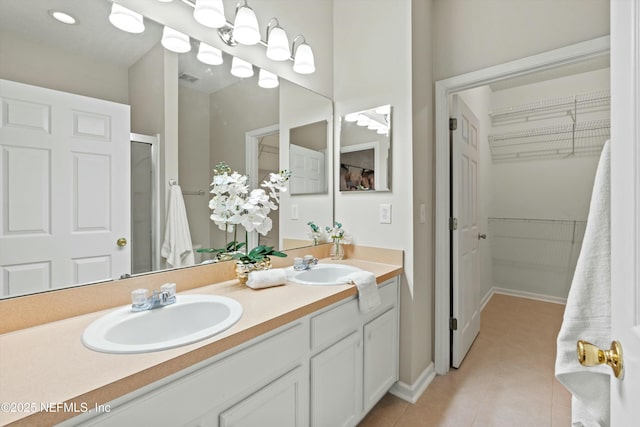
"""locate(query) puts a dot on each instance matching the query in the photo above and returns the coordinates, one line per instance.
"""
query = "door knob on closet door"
(591, 355)
(121, 242)
(482, 236)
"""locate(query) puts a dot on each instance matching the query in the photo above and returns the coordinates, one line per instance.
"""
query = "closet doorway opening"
(262, 147)
(542, 123)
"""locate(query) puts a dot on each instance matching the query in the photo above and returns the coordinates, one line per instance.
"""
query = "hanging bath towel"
(587, 315)
(177, 247)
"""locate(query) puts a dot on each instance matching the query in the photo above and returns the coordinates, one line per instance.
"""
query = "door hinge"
(453, 223)
(453, 323)
(453, 123)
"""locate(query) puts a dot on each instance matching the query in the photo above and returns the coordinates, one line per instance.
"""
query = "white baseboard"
(412, 392)
(521, 294)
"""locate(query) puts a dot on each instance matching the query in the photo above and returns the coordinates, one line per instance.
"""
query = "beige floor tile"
(507, 379)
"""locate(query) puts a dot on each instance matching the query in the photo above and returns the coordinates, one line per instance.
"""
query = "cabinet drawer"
(331, 325)
(388, 298)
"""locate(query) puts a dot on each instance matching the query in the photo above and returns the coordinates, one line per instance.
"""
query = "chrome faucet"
(165, 296)
(304, 263)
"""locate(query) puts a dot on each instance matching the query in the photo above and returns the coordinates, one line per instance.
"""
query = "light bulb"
(303, 61)
(209, 54)
(126, 19)
(175, 41)
(245, 27)
(278, 45)
(267, 79)
(363, 120)
(241, 68)
(210, 13)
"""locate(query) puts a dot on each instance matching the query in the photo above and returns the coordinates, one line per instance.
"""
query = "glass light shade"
(303, 62)
(210, 13)
(209, 54)
(373, 125)
(63, 17)
(241, 68)
(363, 120)
(278, 45)
(267, 79)
(175, 41)
(245, 27)
(351, 117)
(126, 19)
(383, 130)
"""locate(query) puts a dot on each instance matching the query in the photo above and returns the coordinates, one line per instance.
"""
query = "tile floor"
(505, 380)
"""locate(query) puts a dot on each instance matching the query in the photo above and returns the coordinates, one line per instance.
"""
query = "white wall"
(194, 167)
(372, 67)
(36, 64)
(475, 34)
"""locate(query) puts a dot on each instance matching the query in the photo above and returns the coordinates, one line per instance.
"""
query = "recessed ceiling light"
(63, 17)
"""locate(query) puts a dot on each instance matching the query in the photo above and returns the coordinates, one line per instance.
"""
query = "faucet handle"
(169, 288)
(310, 260)
(138, 297)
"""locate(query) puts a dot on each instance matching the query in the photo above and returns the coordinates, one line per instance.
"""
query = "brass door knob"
(590, 355)
(121, 242)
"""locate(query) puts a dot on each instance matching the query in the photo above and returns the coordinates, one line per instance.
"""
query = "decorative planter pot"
(243, 269)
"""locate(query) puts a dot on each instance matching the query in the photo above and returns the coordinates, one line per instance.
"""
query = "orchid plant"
(233, 205)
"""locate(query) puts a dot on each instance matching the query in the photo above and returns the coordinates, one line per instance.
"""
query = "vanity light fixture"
(245, 26)
(277, 42)
(303, 62)
(175, 41)
(383, 130)
(241, 68)
(63, 17)
(384, 110)
(209, 54)
(267, 79)
(126, 19)
(210, 13)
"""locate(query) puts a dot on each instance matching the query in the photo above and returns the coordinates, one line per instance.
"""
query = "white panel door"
(307, 170)
(64, 189)
(625, 207)
(464, 241)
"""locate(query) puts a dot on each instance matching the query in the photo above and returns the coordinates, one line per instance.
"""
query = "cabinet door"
(280, 403)
(380, 356)
(336, 384)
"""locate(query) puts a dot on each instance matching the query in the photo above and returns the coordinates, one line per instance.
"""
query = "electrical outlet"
(385, 213)
(294, 212)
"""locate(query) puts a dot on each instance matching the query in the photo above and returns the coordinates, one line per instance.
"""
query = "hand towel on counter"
(177, 247)
(587, 314)
(266, 278)
(368, 292)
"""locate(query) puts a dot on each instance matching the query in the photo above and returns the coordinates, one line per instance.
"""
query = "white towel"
(177, 247)
(368, 293)
(587, 315)
(266, 278)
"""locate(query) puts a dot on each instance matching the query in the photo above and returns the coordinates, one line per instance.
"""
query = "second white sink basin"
(191, 318)
(323, 275)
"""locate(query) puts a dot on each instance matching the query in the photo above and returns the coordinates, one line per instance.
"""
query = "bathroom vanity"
(300, 355)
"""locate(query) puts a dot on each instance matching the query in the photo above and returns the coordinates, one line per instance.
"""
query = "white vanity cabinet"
(351, 373)
(326, 369)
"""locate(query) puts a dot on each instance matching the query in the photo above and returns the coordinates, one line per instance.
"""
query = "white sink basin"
(191, 318)
(323, 275)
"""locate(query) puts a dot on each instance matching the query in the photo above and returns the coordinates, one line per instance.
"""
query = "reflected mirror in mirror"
(308, 158)
(186, 116)
(365, 150)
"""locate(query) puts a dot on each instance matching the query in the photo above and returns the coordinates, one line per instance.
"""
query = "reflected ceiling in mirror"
(201, 112)
(365, 150)
(308, 158)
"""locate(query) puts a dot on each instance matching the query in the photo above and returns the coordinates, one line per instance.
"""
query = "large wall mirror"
(185, 117)
(308, 158)
(365, 150)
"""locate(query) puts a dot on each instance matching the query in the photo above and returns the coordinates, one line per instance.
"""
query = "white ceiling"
(95, 37)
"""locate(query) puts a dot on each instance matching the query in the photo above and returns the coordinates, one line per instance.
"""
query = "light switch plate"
(294, 212)
(385, 213)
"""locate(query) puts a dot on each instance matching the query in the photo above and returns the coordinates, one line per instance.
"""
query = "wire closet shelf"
(557, 139)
